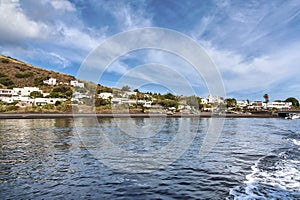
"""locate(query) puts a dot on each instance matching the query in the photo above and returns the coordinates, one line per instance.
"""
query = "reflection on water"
(253, 159)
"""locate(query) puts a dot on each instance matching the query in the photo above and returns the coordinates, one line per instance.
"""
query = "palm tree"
(266, 97)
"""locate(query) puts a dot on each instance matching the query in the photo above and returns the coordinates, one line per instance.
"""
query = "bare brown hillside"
(15, 73)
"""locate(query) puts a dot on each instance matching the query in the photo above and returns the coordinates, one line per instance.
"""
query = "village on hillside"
(64, 95)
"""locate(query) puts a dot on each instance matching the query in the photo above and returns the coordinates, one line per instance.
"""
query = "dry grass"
(10, 67)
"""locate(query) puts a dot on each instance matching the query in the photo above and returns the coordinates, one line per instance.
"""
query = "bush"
(101, 102)
(57, 103)
(11, 108)
(6, 81)
(61, 92)
(5, 61)
(23, 75)
(38, 81)
(2, 75)
(35, 94)
(48, 106)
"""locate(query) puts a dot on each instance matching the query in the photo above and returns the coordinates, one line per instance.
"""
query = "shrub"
(6, 81)
(35, 94)
(61, 92)
(57, 103)
(23, 75)
(5, 61)
(2, 75)
(38, 81)
(11, 108)
(48, 106)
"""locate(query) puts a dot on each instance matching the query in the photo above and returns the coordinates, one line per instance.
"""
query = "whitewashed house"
(6, 93)
(128, 94)
(279, 105)
(105, 95)
(204, 101)
(50, 81)
(147, 104)
(25, 91)
(44, 101)
(211, 100)
(7, 99)
(242, 103)
(76, 83)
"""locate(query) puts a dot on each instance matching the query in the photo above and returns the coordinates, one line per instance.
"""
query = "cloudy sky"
(255, 45)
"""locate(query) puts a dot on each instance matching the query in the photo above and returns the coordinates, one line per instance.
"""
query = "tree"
(170, 96)
(294, 101)
(230, 102)
(266, 97)
(126, 88)
(35, 94)
(61, 92)
(101, 102)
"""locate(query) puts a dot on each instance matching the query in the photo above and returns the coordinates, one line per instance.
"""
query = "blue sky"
(255, 45)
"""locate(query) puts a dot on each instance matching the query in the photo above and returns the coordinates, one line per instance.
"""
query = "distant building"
(257, 105)
(128, 94)
(212, 100)
(76, 83)
(242, 103)
(6, 93)
(50, 81)
(105, 95)
(279, 105)
(25, 91)
(44, 101)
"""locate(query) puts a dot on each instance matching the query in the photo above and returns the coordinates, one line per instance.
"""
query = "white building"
(25, 91)
(7, 99)
(211, 100)
(279, 105)
(20, 99)
(79, 95)
(51, 81)
(105, 95)
(44, 101)
(116, 101)
(242, 103)
(204, 101)
(128, 94)
(76, 83)
(147, 104)
(257, 105)
(6, 93)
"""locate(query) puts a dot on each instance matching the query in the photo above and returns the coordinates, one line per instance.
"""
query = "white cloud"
(15, 26)
(19, 29)
(127, 16)
(261, 73)
(63, 5)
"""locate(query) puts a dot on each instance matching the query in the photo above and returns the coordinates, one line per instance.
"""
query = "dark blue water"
(48, 159)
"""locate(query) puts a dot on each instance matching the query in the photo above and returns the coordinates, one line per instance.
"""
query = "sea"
(150, 158)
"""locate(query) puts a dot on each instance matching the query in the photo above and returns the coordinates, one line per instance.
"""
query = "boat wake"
(275, 176)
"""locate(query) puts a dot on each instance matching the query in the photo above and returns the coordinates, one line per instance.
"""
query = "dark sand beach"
(124, 115)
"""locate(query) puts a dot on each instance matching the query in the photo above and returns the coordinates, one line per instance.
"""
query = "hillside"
(15, 73)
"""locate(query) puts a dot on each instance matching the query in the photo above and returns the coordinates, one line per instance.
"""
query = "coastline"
(125, 115)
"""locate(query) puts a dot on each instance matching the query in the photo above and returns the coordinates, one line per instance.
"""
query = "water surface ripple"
(253, 159)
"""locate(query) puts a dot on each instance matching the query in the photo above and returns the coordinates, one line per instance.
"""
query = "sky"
(254, 45)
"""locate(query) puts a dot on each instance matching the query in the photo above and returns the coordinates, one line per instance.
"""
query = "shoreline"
(126, 115)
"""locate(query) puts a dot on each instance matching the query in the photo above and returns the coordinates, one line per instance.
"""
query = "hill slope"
(15, 73)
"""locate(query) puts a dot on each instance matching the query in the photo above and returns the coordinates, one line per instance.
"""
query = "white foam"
(296, 142)
(285, 176)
